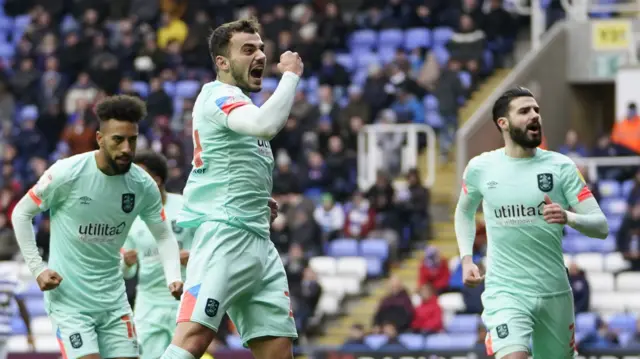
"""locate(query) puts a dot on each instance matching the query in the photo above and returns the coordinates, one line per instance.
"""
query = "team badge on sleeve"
(128, 202)
(42, 184)
(545, 182)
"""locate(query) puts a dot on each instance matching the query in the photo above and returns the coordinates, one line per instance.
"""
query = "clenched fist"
(471, 276)
(130, 257)
(553, 213)
(49, 279)
(291, 61)
(176, 289)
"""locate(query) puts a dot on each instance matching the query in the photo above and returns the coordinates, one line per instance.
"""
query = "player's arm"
(587, 217)
(44, 194)
(154, 217)
(265, 121)
(465, 214)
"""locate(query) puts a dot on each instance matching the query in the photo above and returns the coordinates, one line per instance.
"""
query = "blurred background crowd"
(366, 62)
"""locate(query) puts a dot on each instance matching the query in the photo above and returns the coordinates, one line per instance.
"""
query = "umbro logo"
(85, 200)
(492, 184)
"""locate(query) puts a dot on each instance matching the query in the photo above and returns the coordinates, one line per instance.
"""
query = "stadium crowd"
(59, 58)
(364, 63)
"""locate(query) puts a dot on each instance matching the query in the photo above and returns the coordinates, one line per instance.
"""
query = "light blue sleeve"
(468, 202)
(51, 188)
(574, 187)
(153, 210)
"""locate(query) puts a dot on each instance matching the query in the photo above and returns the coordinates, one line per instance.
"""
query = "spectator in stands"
(339, 164)
(280, 234)
(305, 231)
(434, 270)
(390, 144)
(316, 176)
(285, 178)
(572, 146)
(360, 217)
(8, 245)
(332, 73)
(472, 296)
(356, 107)
(428, 316)
(449, 90)
(593, 186)
(7, 105)
(306, 300)
(626, 133)
(29, 141)
(414, 207)
(634, 195)
(330, 217)
(467, 46)
(628, 237)
(393, 344)
(355, 341)
(294, 264)
(42, 237)
(580, 287)
(396, 307)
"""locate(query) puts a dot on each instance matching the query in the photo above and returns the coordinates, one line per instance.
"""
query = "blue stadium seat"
(391, 38)
(433, 119)
(22, 22)
(625, 338)
(363, 59)
(627, 186)
(169, 88)
(346, 60)
(442, 35)
(343, 247)
(586, 322)
(374, 268)
(443, 341)
(571, 232)
(609, 188)
(360, 77)
(234, 342)
(187, 88)
(375, 341)
(269, 84)
(622, 323)
(612, 206)
(374, 248)
(567, 245)
(7, 51)
(17, 326)
(412, 341)
(430, 103)
(583, 244)
(142, 88)
(417, 38)
(33, 291)
(35, 306)
(463, 323)
(442, 55)
(363, 39)
(313, 83)
(608, 245)
(6, 23)
(614, 223)
(487, 61)
(386, 54)
(465, 78)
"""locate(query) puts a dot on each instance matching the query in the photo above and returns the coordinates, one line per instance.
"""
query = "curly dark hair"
(221, 36)
(121, 108)
(156, 163)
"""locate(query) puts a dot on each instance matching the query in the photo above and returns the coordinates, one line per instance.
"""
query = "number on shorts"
(197, 150)
(572, 343)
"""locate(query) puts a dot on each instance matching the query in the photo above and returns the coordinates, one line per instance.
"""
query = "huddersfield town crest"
(211, 308)
(545, 182)
(128, 202)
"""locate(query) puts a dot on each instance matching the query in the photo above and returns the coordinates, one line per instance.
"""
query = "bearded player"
(93, 198)
(234, 267)
(528, 195)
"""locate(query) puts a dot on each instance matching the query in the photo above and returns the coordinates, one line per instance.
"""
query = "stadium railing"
(369, 153)
(592, 163)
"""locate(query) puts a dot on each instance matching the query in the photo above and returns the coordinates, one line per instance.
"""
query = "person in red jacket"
(434, 270)
(428, 315)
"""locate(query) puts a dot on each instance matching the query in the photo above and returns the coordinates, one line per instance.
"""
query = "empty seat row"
(345, 266)
(615, 189)
(608, 282)
(440, 341)
(598, 262)
(408, 40)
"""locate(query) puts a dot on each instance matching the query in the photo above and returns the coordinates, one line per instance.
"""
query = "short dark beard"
(117, 170)
(520, 137)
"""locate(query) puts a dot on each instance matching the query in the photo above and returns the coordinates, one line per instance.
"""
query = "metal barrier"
(592, 163)
(369, 154)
